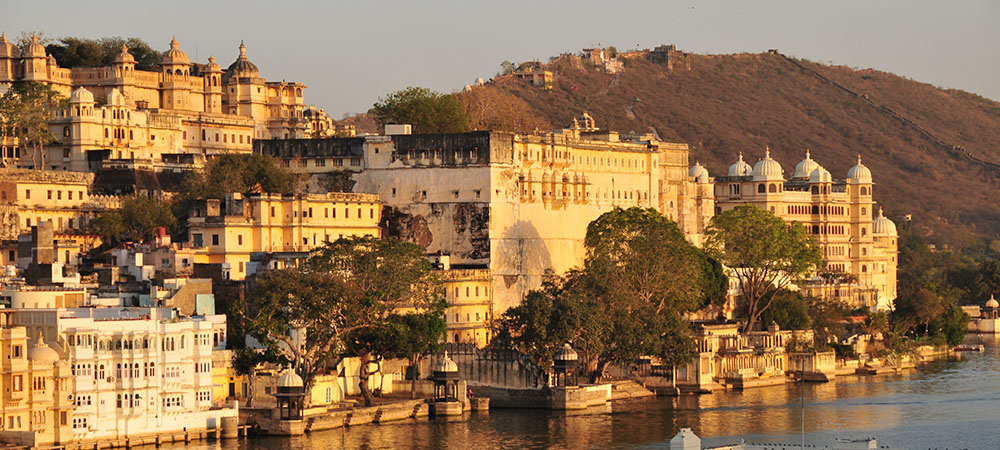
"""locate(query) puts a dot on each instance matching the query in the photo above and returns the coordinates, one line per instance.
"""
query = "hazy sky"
(350, 53)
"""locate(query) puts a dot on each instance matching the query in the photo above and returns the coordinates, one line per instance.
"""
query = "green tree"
(346, 287)
(426, 110)
(765, 253)
(25, 112)
(789, 311)
(136, 221)
(247, 360)
(639, 280)
(410, 336)
(71, 52)
(244, 173)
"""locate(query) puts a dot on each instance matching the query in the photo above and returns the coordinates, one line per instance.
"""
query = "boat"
(969, 348)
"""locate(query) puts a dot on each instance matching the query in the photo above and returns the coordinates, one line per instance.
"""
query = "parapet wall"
(496, 368)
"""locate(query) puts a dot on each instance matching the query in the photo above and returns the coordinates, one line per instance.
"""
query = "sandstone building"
(230, 232)
(511, 205)
(858, 242)
(181, 114)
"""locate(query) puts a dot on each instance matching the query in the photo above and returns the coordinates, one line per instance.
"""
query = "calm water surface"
(951, 403)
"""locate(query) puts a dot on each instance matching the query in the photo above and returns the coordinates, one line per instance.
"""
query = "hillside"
(906, 131)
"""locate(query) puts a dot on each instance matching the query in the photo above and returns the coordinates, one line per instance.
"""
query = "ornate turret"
(34, 49)
(34, 61)
(9, 53)
(805, 167)
(768, 169)
(175, 56)
(242, 67)
(860, 173)
(740, 168)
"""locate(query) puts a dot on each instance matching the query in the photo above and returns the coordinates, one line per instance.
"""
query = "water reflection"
(951, 403)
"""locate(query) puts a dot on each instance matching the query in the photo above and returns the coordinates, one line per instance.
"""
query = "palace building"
(505, 208)
(174, 117)
(230, 232)
(858, 242)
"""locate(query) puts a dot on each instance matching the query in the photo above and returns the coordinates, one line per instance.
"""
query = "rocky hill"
(933, 152)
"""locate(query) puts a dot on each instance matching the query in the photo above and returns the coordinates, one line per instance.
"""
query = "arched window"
(105, 133)
(815, 209)
(864, 268)
(864, 231)
(65, 131)
(178, 72)
(772, 188)
(815, 189)
(815, 229)
(130, 135)
(864, 190)
(761, 189)
(329, 394)
(864, 211)
(864, 251)
(152, 369)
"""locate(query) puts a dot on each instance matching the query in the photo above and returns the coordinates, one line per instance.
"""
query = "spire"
(859, 158)
(3, 38)
(741, 156)
(211, 59)
(124, 48)
(767, 151)
(880, 211)
(807, 154)
(243, 49)
(34, 38)
(173, 43)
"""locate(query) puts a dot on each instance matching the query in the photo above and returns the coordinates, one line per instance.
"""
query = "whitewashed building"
(135, 371)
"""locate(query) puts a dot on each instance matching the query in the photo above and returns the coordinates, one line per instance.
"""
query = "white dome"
(740, 168)
(115, 98)
(566, 353)
(767, 169)
(698, 172)
(859, 173)
(81, 95)
(992, 302)
(883, 226)
(41, 353)
(805, 167)
(445, 364)
(290, 379)
(34, 49)
(820, 175)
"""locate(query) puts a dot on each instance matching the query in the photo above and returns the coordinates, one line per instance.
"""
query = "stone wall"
(508, 369)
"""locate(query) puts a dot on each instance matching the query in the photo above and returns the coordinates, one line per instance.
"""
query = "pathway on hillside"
(886, 110)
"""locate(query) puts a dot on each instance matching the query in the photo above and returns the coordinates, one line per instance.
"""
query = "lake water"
(952, 403)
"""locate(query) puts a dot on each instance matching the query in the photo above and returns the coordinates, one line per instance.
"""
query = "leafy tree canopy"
(25, 111)
(245, 173)
(346, 288)
(765, 253)
(639, 280)
(426, 110)
(789, 311)
(136, 221)
(71, 52)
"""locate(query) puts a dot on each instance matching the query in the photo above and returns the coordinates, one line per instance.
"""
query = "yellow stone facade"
(29, 197)
(180, 114)
(229, 232)
(857, 240)
(37, 391)
(469, 315)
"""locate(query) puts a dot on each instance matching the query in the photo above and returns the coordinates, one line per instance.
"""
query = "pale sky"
(350, 53)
